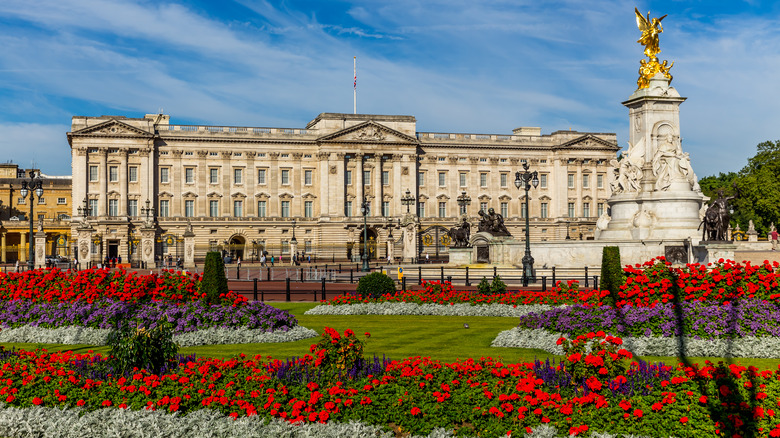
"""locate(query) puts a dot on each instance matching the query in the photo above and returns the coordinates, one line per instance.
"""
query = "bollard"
(238, 273)
(323, 289)
(419, 275)
(339, 268)
(269, 273)
(442, 274)
(495, 272)
(301, 275)
(553, 282)
(596, 282)
(288, 288)
(351, 279)
(586, 276)
(544, 283)
(467, 276)
(525, 279)
(254, 290)
(403, 283)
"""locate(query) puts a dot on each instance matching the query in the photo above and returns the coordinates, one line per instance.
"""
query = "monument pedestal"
(40, 249)
(148, 234)
(713, 251)
(189, 247)
(462, 256)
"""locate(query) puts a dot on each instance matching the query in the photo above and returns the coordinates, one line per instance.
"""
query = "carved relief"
(81, 151)
(144, 152)
(227, 154)
(405, 170)
(148, 248)
(203, 154)
(177, 153)
(250, 155)
(297, 155)
(333, 170)
(273, 155)
(370, 133)
(83, 250)
(189, 251)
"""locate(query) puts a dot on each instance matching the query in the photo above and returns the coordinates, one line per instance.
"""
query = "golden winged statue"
(650, 28)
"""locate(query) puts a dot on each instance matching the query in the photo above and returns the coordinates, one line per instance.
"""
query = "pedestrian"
(427, 258)
(262, 260)
(309, 258)
(16, 268)
(389, 260)
(238, 263)
(773, 236)
(272, 260)
(120, 260)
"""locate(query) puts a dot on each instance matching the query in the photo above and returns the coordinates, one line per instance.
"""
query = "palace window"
(189, 175)
(113, 173)
(585, 180)
(600, 181)
(421, 209)
(164, 204)
(93, 173)
(385, 178)
(571, 209)
(442, 209)
(544, 210)
(93, 207)
(442, 179)
(238, 208)
(505, 209)
(543, 180)
(420, 179)
(113, 207)
(189, 208)
(132, 174)
(570, 180)
(285, 176)
(164, 175)
(366, 177)
(348, 177)
(237, 176)
(285, 208)
(61, 201)
(483, 207)
(385, 208)
(348, 209)
(261, 209)
(586, 209)
(600, 209)
(462, 177)
(308, 209)
(261, 176)
(213, 208)
(132, 207)
(307, 177)
(483, 179)
(503, 180)
(214, 175)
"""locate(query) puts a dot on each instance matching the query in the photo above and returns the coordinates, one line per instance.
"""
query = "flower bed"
(588, 392)
(89, 285)
(700, 320)
(435, 292)
(722, 282)
(452, 309)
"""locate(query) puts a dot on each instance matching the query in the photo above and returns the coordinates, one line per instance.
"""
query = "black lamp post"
(147, 211)
(463, 201)
(526, 179)
(293, 244)
(364, 211)
(35, 188)
(568, 237)
(407, 200)
(84, 210)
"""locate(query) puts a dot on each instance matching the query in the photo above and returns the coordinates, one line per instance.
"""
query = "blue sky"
(457, 65)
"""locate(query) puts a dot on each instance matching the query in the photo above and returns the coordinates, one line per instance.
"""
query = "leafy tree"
(214, 283)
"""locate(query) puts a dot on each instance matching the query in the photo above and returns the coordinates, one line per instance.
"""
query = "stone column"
(189, 247)
(203, 181)
(339, 186)
(227, 184)
(40, 249)
(3, 257)
(359, 179)
(273, 209)
(250, 183)
(123, 182)
(177, 174)
(377, 184)
(390, 253)
(22, 253)
(147, 246)
(103, 178)
(322, 206)
(398, 189)
(293, 250)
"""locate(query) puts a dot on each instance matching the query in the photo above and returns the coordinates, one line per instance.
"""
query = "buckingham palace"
(144, 187)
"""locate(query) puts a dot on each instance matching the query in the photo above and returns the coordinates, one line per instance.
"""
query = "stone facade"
(245, 190)
(54, 208)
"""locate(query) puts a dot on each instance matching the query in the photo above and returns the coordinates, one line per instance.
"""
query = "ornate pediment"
(113, 128)
(368, 132)
(588, 141)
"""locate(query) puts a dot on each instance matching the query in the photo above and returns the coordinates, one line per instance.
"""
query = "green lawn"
(398, 337)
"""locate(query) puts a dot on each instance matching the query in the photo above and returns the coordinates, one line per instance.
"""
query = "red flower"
(684, 420)
(703, 399)
(415, 410)
(638, 413)
(36, 401)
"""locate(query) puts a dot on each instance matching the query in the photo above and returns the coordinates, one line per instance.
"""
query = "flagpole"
(354, 85)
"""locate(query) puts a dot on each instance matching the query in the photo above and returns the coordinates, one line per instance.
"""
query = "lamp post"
(35, 188)
(568, 237)
(526, 179)
(407, 200)
(84, 210)
(364, 211)
(293, 245)
(254, 250)
(463, 201)
(147, 211)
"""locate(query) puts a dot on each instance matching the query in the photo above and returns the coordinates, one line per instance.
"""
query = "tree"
(758, 186)
(214, 283)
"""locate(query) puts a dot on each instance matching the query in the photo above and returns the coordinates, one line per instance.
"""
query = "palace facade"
(53, 208)
(248, 189)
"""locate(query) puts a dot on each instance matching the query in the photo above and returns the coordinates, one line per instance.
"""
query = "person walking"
(427, 258)
(238, 262)
(262, 260)
(773, 236)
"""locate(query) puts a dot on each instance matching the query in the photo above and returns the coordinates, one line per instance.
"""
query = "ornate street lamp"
(463, 201)
(35, 188)
(526, 179)
(85, 211)
(407, 200)
(147, 211)
(364, 211)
